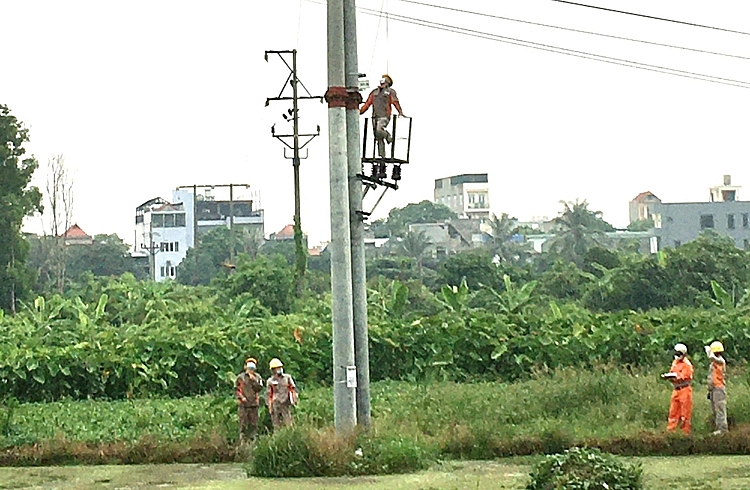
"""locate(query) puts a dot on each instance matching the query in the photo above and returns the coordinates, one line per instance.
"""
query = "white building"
(467, 195)
(165, 231)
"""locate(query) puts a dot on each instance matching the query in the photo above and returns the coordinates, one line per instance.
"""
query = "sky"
(143, 96)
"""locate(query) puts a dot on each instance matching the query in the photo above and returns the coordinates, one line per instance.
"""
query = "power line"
(556, 49)
(377, 33)
(651, 17)
(482, 14)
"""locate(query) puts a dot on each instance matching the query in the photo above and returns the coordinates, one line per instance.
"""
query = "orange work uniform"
(681, 404)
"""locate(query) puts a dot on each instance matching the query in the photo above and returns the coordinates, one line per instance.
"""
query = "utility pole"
(153, 249)
(300, 252)
(344, 370)
(356, 222)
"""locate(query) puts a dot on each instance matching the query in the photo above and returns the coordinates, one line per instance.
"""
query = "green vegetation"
(295, 452)
(18, 200)
(119, 338)
(414, 423)
(580, 468)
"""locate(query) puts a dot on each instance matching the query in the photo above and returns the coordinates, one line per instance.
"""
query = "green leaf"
(499, 351)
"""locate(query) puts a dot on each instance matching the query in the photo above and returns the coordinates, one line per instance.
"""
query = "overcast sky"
(144, 96)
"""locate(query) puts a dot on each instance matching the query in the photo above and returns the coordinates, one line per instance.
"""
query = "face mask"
(678, 355)
(280, 371)
(251, 366)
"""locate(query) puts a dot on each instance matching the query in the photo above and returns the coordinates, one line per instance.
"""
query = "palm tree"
(579, 229)
(504, 243)
(414, 244)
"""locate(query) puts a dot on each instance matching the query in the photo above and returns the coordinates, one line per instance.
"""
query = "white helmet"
(681, 348)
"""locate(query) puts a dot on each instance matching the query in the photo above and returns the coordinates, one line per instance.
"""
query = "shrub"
(285, 453)
(390, 452)
(304, 452)
(582, 468)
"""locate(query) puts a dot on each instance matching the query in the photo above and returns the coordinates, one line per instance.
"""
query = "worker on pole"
(381, 99)
(717, 391)
(681, 403)
(247, 392)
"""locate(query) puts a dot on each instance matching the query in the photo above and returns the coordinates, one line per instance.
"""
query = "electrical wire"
(387, 38)
(299, 22)
(553, 49)
(377, 33)
(651, 17)
(482, 14)
(556, 49)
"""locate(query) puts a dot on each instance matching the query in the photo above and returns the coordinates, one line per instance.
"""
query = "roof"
(75, 231)
(151, 202)
(169, 207)
(286, 233)
(643, 195)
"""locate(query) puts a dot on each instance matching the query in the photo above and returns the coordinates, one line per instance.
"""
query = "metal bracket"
(292, 157)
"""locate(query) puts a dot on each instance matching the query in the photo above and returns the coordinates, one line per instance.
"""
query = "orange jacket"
(716, 372)
(683, 368)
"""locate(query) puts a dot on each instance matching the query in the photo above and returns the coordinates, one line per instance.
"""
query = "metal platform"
(395, 153)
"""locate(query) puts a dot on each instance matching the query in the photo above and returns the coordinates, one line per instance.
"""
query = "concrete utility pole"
(344, 370)
(300, 251)
(359, 272)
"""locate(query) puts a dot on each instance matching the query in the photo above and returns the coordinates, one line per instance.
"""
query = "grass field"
(687, 473)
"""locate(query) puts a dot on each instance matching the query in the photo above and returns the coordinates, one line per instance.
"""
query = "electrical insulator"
(375, 171)
(382, 171)
(396, 174)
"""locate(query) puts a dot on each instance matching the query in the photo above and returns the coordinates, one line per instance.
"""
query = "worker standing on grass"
(381, 99)
(717, 391)
(681, 404)
(281, 394)
(247, 391)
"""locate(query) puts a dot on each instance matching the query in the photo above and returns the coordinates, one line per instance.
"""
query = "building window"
(745, 220)
(169, 247)
(171, 220)
(746, 244)
(677, 243)
(168, 271)
(707, 221)
(730, 222)
(478, 200)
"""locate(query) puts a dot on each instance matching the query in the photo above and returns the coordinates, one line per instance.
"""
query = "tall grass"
(608, 407)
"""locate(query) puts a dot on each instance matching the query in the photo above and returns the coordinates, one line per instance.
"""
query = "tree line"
(580, 265)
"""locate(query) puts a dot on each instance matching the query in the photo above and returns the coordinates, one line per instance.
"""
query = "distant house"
(164, 231)
(286, 233)
(449, 237)
(641, 208)
(681, 222)
(76, 236)
(467, 195)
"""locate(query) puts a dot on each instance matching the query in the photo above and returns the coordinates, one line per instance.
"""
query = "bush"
(304, 452)
(582, 468)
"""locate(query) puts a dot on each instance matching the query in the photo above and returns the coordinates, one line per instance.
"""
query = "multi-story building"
(165, 231)
(467, 195)
(641, 208)
(678, 223)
